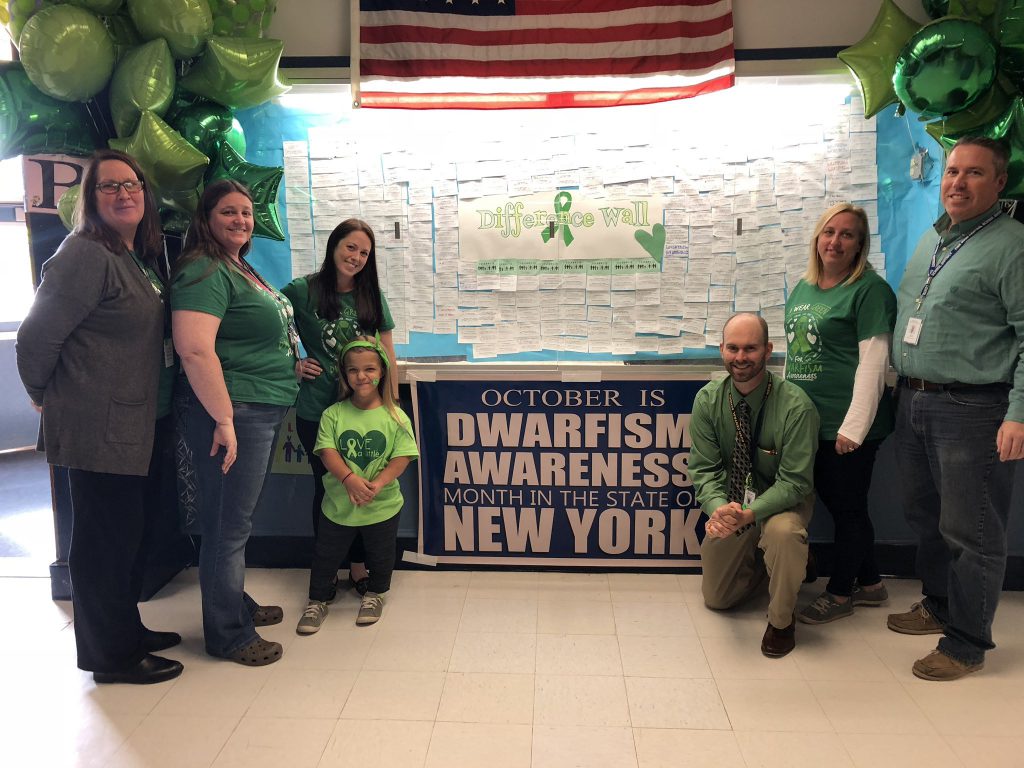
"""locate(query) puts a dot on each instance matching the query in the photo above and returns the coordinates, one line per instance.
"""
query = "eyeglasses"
(114, 187)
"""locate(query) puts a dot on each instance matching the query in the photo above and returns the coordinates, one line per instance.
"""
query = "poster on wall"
(560, 474)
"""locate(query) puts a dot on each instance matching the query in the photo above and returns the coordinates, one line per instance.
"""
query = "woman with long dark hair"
(333, 306)
(94, 355)
(237, 343)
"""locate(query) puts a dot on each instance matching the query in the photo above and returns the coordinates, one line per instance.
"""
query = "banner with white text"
(557, 473)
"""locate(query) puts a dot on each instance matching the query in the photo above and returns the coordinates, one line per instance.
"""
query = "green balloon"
(204, 126)
(173, 167)
(241, 18)
(871, 60)
(66, 206)
(186, 25)
(1010, 36)
(974, 119)
(238, 72)
(174, 221)
(144, 79)
(236, 137)
(263, 182)
(936, 9)
(945, 67)
(124, 34)
(32, 123)
(67, 53)
(20, 12)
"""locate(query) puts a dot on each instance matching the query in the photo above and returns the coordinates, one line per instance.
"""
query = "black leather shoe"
(776, 643)
(159, 641)
(152, 669)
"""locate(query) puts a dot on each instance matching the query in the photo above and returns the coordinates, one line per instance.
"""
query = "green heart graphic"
(362, 450)
(653, 242)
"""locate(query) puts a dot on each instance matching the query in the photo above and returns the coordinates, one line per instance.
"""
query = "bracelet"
(346, 477)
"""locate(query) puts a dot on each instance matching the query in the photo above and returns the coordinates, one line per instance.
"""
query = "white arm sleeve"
(868, 384)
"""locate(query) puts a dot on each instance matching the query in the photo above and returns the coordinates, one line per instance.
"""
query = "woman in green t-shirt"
(238, 345)
(839, 321)
(333, 306)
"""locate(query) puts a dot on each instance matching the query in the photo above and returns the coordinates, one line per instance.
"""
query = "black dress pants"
(107, 530)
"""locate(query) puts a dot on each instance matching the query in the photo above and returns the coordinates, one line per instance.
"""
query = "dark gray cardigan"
(89, 352)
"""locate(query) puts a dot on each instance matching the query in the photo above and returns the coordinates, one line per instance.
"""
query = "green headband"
(374, 345)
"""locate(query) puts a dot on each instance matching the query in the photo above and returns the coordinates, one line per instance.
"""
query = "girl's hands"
(360, 490)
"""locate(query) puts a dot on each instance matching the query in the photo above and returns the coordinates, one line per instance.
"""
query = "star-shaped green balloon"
(263, 182)
(143, 79)
(174, 168)
(33, 123)
(238, 72)
(873, 58)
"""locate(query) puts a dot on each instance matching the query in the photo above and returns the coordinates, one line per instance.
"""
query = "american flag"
(496, 54)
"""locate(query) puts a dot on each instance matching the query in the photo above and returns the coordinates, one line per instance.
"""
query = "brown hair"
(383, 386)
(148, 242)
(199, 240)
(366, 286)
(998, 147)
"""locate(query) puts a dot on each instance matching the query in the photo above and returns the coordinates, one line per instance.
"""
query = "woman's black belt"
(922, 385)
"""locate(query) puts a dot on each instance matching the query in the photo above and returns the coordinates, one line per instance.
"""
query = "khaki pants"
(734, 568)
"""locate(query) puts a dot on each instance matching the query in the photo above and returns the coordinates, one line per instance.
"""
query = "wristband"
(346, 477)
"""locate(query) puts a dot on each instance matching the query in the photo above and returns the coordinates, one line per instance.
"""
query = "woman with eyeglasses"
(94, 355)
(238, 347)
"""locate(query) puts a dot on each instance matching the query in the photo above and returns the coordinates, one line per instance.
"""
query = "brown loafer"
(776, 643)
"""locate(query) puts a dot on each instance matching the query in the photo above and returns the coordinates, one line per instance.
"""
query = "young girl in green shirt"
(365, 441)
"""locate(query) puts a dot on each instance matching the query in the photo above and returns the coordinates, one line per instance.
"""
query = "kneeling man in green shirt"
(753, 437)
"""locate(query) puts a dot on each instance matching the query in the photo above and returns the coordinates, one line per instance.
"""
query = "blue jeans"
(956, 498)
(225, 504)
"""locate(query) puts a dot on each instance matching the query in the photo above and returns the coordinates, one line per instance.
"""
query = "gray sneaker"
(312, 618)
(824, 609)
(871, 597)
(370, 609)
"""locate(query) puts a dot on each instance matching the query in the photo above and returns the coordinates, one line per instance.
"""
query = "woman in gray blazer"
(90, 354)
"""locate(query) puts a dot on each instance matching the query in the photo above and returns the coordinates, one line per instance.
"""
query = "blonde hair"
(383, 385)
(860, 263)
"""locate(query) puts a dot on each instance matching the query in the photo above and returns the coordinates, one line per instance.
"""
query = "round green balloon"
(186, 25)
(67, 53)
(144, 79)
(66, 206)
(204, 126)
(32, 123)
(944, 68)
(20, 12)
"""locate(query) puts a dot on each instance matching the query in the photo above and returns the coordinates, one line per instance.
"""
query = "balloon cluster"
(158, 79)
(963, 72)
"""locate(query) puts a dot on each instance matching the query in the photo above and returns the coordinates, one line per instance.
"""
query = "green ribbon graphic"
(563, 202)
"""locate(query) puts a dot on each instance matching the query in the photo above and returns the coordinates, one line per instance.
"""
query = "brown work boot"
(917, 621)
(776, 643)
(940, 667)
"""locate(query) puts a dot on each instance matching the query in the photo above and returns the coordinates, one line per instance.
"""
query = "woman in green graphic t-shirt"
(333, 306)
(839, 321)
(238, 347)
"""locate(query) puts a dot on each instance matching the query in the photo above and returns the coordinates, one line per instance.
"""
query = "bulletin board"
(620, 234)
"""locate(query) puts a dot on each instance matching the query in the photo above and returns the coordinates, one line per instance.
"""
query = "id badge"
(168, 353)
(913, 334)
(748, 497)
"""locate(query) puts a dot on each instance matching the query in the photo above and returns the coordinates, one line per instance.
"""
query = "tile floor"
(511, 670)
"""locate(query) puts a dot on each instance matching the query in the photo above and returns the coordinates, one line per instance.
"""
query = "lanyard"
(282, 303)
(150, 275)
(935, 266)
(755, 436)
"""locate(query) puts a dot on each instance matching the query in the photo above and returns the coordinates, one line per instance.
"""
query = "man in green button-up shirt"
(765, 534)
(960, 407)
